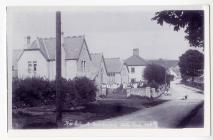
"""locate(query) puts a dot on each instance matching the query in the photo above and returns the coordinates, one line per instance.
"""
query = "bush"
(69, 94)
(31, 92)
(86, 90)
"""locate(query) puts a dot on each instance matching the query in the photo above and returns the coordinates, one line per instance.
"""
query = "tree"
(191, 21)
(191, 64)
(155, 74)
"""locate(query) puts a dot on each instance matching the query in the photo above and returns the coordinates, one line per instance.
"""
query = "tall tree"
(191, 64)
(155, 73)
(190, 20)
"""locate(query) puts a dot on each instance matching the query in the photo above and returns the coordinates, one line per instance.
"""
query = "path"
(166, 115)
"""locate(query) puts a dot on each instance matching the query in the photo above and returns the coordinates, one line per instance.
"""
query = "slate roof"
(72, 47)
(113, 64)
(135, 61)
(96, 59)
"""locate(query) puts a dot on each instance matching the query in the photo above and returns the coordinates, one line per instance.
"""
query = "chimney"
(136, 51)
(28, 40)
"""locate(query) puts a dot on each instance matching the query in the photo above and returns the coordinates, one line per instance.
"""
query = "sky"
(114, 31)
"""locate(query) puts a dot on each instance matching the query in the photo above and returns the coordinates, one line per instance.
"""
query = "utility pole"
(58, 70)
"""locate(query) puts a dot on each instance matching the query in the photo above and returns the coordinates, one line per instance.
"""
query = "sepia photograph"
(108, 67)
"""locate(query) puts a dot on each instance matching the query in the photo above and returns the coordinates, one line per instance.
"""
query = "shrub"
(31, 92)
(86, 90)
(69, 94)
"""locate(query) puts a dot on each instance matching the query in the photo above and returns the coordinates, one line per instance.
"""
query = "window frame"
(29, 67)
(132, 69)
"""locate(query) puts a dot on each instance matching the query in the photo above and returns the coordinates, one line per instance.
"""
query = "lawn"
(44, 117)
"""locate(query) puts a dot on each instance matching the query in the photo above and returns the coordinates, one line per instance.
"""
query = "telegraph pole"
(58, 70)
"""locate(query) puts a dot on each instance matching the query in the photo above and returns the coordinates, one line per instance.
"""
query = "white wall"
(42, 64)
(52, 67)
(71, 69)
(138, 75)
(52, 70)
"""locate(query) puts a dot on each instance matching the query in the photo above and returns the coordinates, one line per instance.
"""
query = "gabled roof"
(47, 46)
(135, 60)
(113, 64)
(96, 60)
(15, 56)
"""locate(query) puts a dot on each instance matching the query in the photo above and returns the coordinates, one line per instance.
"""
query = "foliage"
(86, 89)
(169, 78)
(31, 92)
(191, 21)
(154, 74)
(191, 64)
(69, 94)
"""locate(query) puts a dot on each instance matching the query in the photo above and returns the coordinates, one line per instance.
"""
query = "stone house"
(38, 59)
(136, 66)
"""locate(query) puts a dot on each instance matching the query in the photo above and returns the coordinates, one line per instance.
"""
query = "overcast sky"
(115, 31)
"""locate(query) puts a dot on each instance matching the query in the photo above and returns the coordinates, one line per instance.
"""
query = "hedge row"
(32, 92)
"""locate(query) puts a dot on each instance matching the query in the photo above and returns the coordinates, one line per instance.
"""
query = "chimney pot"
(136, 51)
(28, 40)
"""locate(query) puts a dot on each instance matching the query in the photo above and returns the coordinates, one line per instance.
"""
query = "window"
(83, 65)
(34, 66)
(132, 70)
(112, 76)
(29, 66)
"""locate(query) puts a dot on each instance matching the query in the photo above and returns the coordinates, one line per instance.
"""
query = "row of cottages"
(38, 60)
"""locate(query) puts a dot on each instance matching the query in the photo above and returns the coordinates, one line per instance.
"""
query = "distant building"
(38, 59)
(118, 73)
(136, 66)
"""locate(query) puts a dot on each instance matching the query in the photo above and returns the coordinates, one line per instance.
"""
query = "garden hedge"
(38, 91)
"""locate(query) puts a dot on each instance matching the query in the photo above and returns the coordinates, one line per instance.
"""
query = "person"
(185, 97)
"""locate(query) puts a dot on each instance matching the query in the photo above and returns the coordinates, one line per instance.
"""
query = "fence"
(144, 92)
